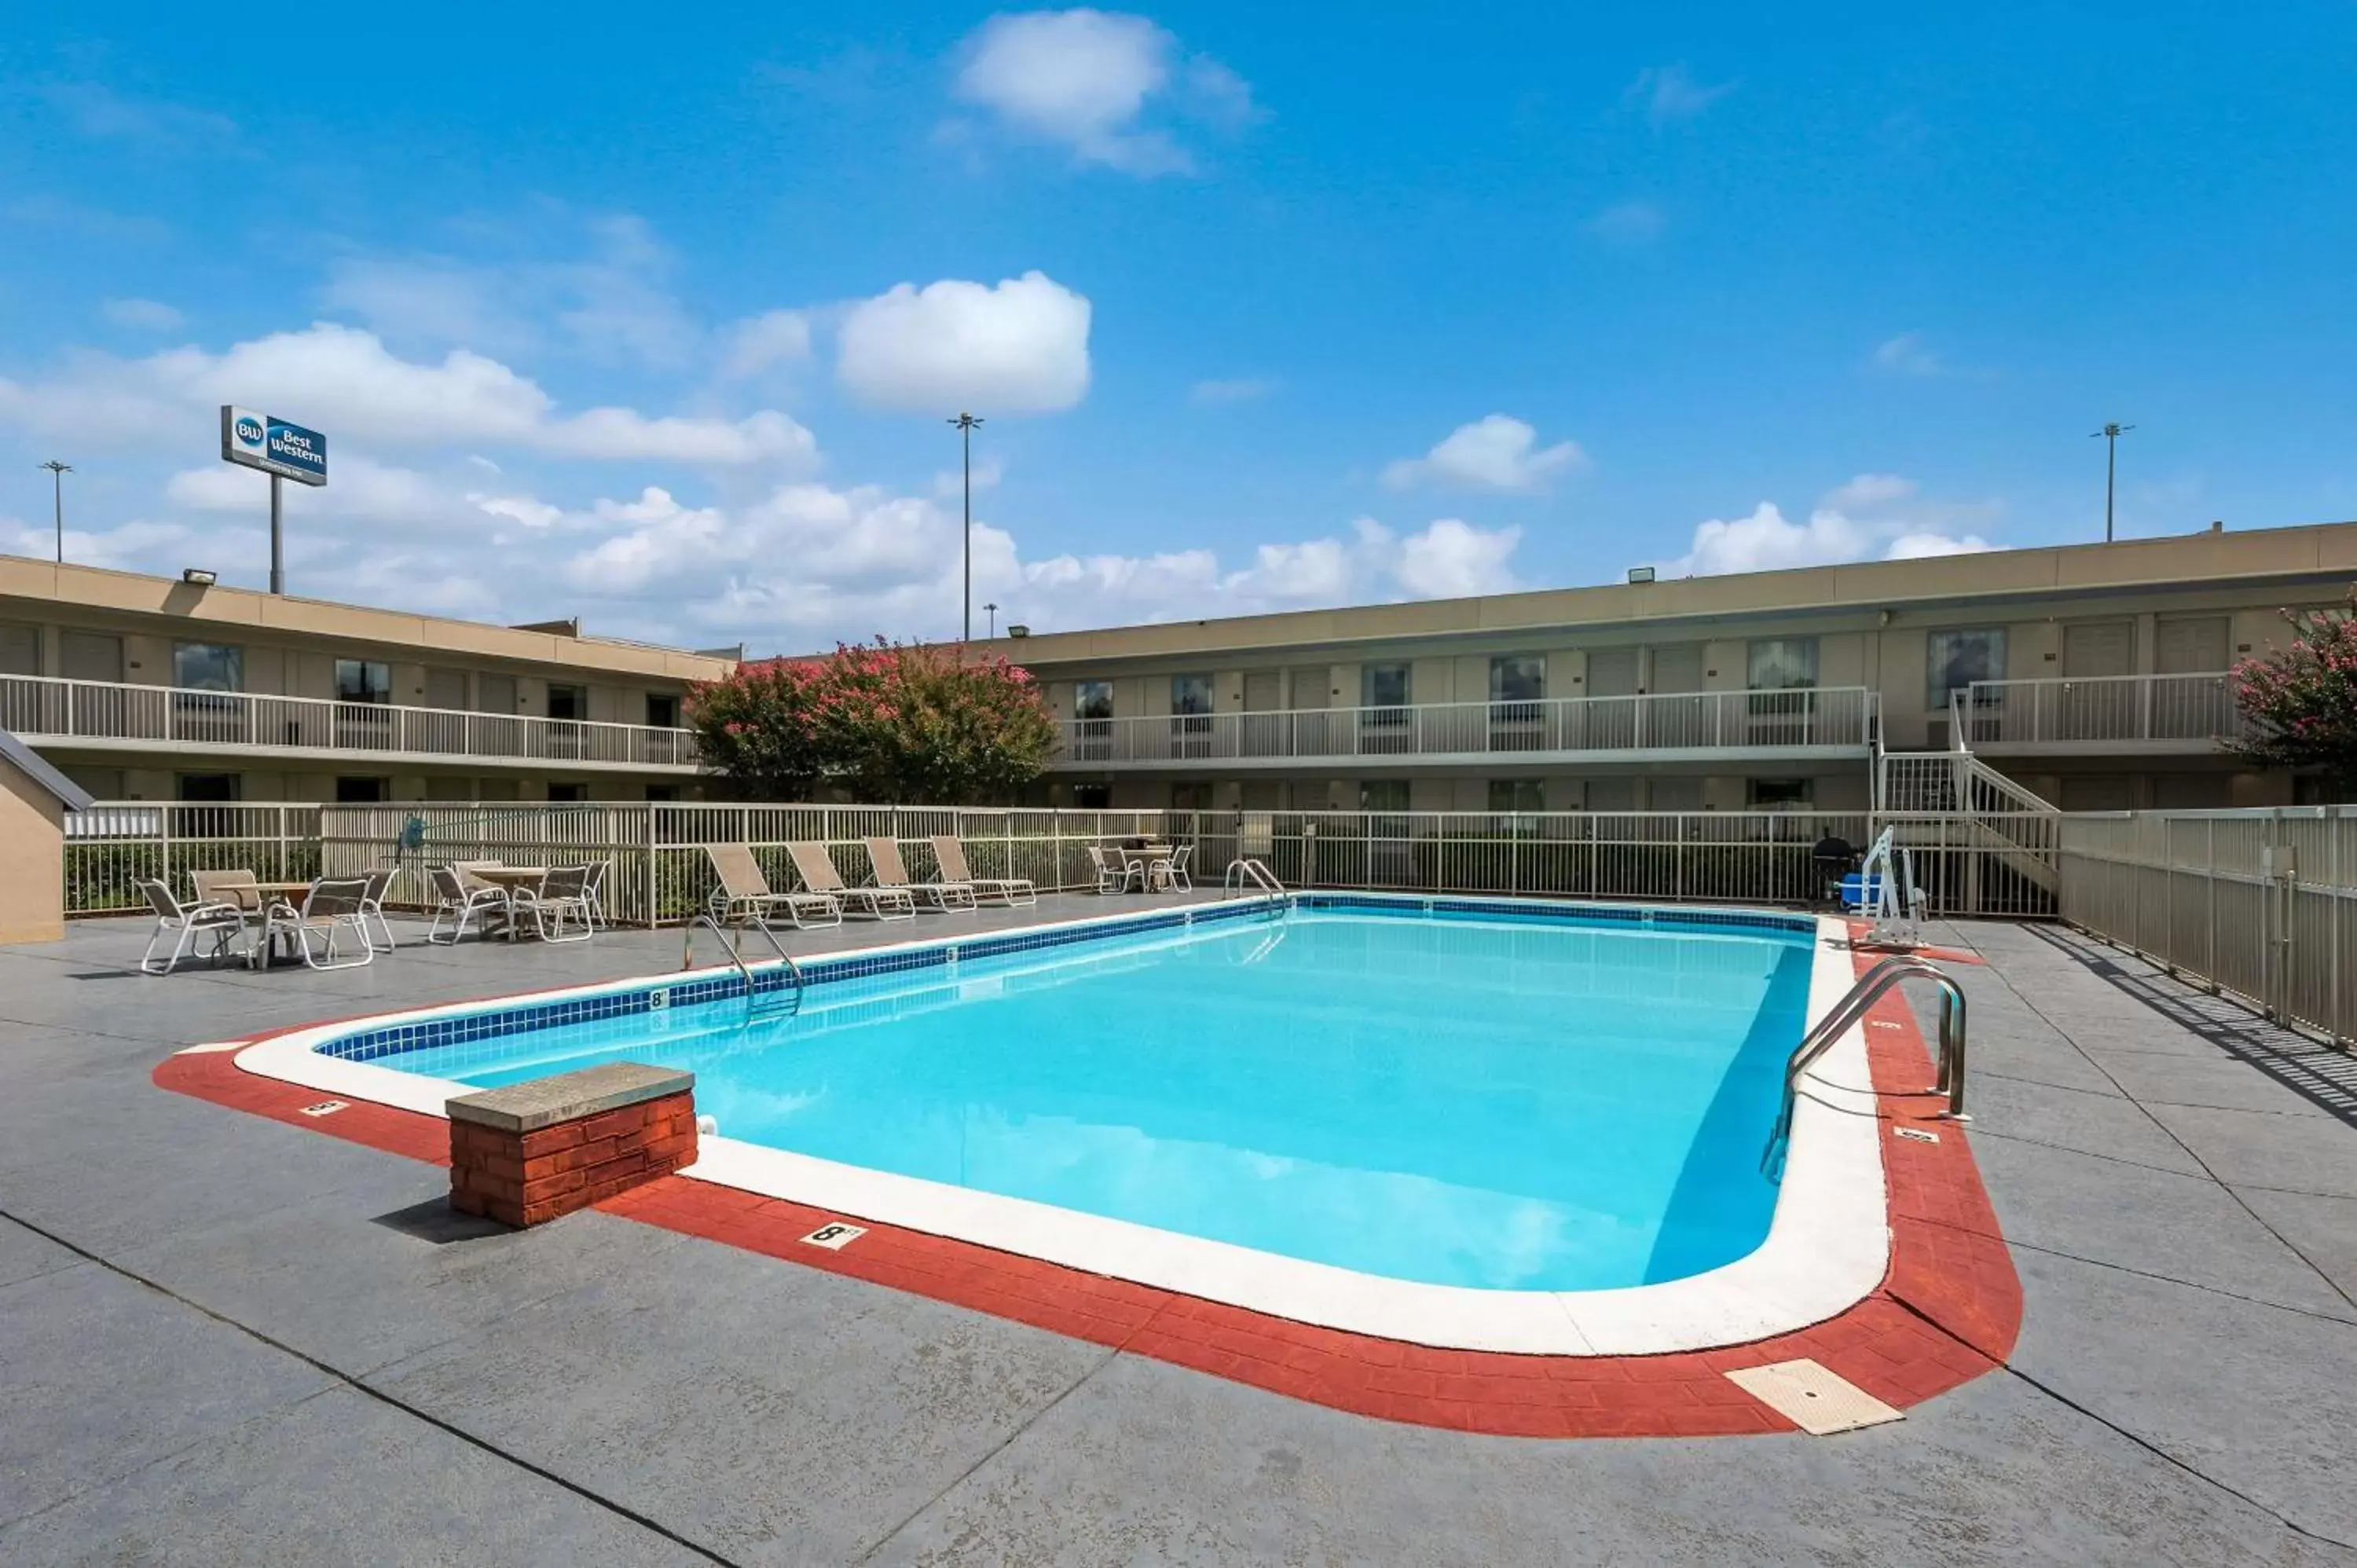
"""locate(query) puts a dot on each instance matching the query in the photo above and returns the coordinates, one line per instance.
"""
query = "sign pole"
(277, 539)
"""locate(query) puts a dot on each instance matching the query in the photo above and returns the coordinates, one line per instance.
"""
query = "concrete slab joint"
(529, 1153)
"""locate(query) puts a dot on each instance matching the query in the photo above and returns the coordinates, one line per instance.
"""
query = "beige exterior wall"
(32, 859)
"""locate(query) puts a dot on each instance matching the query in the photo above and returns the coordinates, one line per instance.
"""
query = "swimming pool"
(1443, 1108)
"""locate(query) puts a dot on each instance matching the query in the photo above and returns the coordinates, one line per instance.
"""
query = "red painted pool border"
(1947, 1311)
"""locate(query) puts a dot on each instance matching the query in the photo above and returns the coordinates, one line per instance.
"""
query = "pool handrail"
(705, 917)
(1245, 869)
(1844, 1016)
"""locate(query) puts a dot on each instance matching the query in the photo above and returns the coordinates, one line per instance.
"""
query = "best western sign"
(274, 446)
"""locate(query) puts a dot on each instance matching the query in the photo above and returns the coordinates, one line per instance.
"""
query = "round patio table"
(512, 880)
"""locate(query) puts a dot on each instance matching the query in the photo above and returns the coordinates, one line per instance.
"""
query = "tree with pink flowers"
(2300, 702)
(891, 722)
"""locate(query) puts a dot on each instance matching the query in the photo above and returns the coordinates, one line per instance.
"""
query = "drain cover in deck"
(1812, 1398)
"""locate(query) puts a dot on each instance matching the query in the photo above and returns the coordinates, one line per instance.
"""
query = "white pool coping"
(1828, 1245)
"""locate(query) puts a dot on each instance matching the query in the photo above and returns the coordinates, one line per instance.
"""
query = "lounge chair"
(455, 898)
(745, 891)
(332, 906)
(223, 921)
(817, 870)
(1117, 871)
(883, 855)
(372, 910)
(563, 894)
(948, 853)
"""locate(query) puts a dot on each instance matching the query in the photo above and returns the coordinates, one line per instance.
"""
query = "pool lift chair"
(1884, 889)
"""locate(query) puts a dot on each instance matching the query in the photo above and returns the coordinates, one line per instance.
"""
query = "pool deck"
(223, 1338)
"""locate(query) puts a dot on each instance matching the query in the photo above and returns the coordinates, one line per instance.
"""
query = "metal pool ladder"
(752, 995)
(1845, 1014)
(1244, 872)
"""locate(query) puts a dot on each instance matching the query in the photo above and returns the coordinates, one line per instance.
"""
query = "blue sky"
(659, 324)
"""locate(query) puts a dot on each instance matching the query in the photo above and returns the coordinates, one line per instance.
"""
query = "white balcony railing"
(110, 715)
(2175, 712)
(1833, 717)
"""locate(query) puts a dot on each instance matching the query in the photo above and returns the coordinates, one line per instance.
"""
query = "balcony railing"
(1834, 717)
(2172, 713)
(110, 715)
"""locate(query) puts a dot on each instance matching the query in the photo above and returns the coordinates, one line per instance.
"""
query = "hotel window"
(1517, 678)
(568, 701)
(207, 667)
(1782, 794)
(568, 791)
(1092, 700)
(662, 710)
(1783, 665)
(1957, 659)
(366, 791)
(1092, 797)
(363, 681)
(1191, 694)
(1518, 794)
(1383, 690)
(1383, 795)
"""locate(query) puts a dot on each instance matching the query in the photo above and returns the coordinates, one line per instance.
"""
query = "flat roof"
(2207, 559)
(226, 608)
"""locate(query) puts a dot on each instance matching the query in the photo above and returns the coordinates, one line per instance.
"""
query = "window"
(1092, 797)
(1782, 794)
(1518, 794)
(568, 791)
(662, 710)
(1191, 694)
(20, 650)
(1383, 686)
(207, 667)
(568, 702)
(1383, 795)
(352, 791)
(1190, 796)
(1092, 700)
(662, 792)
(89, 656)
(1957, 659)
(209, 786)
(1517, 678)
(1783, 665)
(495, 695)
(363, 681)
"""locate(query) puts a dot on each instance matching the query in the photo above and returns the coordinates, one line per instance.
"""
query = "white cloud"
(1907, 355)
(141, 315)
(1086, 79)
(131, 545)
(1495, 453)
(1667, 93)
(1239, 389)
(1629, 223)
(1454, 560)
(1873, 516)
(950, 485)
(760, 342)
(345, 382)
(1018, 347)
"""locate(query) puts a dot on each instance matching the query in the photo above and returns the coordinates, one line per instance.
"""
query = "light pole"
(965, 423)
(58, 472)
(2110, 434)
(994, 620)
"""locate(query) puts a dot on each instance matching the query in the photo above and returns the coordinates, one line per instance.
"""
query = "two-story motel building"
(2095, 675)
(146, 688)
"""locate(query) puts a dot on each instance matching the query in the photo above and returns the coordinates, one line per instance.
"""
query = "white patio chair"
(236, 887)
(1174, 870)
(948, 853)
(816, 868)
(891, 871)
(563, 895)
(596, 895)
(330, 908)
(455, 898)
(744, 893)
(1116, 872)
(224, 922)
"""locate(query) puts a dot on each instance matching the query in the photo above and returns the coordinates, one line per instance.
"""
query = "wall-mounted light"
(199, 576)
(1018, 631)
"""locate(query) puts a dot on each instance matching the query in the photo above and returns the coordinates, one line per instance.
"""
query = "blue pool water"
(1541, 1104)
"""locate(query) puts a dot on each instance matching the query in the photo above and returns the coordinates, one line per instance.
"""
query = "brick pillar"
(532, 1152)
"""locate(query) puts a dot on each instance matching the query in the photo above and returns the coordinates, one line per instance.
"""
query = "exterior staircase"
(1953, 800)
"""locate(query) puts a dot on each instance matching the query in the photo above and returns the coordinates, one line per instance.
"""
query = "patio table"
(512, 880)
(1147, 855)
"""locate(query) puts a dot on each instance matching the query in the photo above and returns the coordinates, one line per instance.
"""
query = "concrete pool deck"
(223, 1339)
